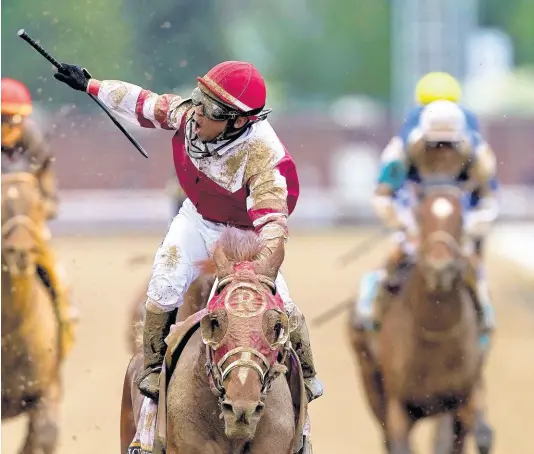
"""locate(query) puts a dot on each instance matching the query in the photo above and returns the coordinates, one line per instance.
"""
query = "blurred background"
(340, 77)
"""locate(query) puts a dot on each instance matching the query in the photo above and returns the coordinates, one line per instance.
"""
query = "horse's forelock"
(236, 245)
(240, 245)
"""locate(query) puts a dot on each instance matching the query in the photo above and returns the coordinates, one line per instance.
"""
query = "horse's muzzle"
(241, 418)
(441, 274)
(19, 263)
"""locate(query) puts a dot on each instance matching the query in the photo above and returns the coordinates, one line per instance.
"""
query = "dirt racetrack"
(104, 284)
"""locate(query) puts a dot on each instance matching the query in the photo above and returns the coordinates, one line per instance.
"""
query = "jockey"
(436, 86)
(233, 169)
(24, 149)
(441, 145)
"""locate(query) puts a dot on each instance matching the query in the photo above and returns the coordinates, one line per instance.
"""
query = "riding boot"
(300, 340)
(375, 289)
(306, 446)
(368, 310)
(156, 329)
(485, 308)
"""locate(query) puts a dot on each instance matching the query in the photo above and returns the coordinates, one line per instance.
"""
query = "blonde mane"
(236, 245)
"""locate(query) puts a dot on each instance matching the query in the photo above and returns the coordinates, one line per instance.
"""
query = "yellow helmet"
(437, 86)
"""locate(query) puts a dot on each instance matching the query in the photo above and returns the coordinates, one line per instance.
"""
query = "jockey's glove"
(478, 222)
(386, 211)
(74, 76)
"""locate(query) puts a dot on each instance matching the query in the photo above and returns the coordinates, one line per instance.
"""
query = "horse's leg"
(483, 430)
(127, 424)
(43, 425)
(371, 378)
(398, 426)
(463, 424)
(369, 373)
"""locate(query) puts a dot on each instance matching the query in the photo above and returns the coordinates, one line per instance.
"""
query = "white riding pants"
(190, 238)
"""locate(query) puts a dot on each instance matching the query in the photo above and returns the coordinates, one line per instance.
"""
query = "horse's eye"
(278, 329)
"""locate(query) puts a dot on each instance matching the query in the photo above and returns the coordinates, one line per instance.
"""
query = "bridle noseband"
(267, 372)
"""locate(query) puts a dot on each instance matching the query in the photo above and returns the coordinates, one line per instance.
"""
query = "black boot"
(156, 329)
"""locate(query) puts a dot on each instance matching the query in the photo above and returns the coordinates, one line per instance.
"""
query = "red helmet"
(238, 84)
(16, 98)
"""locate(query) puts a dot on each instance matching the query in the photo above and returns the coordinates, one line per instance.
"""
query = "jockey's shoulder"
(32, 133)
(471, 119)
(393, 152)
(36, 146)
(263, 148)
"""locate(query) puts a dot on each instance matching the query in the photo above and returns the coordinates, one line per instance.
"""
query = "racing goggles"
(457, 146)
(11, 120)
(212, 109)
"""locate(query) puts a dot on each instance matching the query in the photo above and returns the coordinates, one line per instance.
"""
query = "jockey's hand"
(74, 76)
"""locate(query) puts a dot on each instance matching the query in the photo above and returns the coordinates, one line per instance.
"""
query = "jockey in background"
(24, 149)
(437, 86)
(440, 140)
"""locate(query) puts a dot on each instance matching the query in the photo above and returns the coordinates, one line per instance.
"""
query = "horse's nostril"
(227, 407)
(260, 407)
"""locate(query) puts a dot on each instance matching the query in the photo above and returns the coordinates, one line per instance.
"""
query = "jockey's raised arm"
(140, 106)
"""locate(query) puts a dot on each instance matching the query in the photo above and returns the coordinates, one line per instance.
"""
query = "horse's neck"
(17, 296)
(434, 311)
(200, 367)
(196, 297)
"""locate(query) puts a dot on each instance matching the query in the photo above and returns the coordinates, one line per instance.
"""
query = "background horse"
(428, 359)
(243, 338)
(30, 332)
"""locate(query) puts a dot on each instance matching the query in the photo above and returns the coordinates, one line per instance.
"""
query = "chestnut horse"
(31, 355)
(426, 359)
(227, 393)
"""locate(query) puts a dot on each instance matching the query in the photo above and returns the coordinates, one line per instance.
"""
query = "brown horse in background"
(31, 357)
(232, 368)
(426, 360)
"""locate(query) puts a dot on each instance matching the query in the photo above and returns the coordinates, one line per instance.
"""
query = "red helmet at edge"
(16, 98)
(237, 84)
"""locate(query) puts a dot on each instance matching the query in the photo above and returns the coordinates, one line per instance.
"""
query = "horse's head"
(246, 330)
(22, 222)
(440, 216)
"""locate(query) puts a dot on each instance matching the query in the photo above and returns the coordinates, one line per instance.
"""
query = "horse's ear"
(275, 260)
(224, 267)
